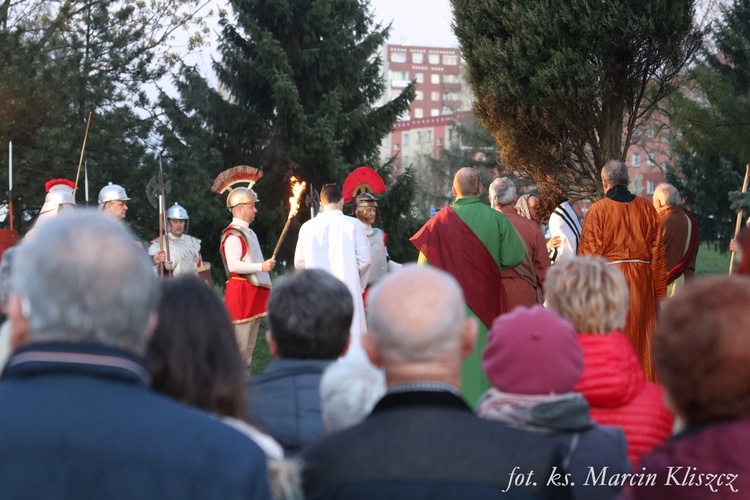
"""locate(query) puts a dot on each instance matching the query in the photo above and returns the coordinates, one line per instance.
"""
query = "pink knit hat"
(532, 351)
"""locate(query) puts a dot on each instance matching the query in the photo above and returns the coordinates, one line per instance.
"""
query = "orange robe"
(630, 231)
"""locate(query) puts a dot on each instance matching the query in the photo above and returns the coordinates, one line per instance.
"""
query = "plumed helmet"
(361, 202)
(177, 212)
(241, 195)
(112, 192)
(365, 200)
(59, 192)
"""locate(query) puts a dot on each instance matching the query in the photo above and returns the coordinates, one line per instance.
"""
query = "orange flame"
(298, 187)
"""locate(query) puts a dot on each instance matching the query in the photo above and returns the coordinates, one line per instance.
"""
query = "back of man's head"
(616, 173)
(667, 194)
(502, 192)
(83, 278)
(416, 314)
(310, 313)
(467, 182)
(330, 194)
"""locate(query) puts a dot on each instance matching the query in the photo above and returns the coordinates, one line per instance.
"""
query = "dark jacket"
(430, 445)
(79, 421)
(284, 401)
(711, 461)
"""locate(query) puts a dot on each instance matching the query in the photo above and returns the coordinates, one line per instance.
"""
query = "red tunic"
(244, 301)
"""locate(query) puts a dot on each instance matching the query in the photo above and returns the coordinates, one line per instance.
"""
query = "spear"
(738, 225)
(83, 148)
(10, 183)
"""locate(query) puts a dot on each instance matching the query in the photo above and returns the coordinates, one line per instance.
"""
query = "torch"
(298, 187)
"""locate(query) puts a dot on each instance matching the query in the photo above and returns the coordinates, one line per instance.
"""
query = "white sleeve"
(299, 251)
(233, 254)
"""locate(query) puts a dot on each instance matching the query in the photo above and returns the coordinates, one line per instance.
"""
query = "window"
(419, 137)
(420, 96)
(429, 136)
(450, 60)
(651, 162)
(434, 58)
(417, 57)
(649, 187)
(397, 147)
(440, 142)
(635, 160)
(651, 131)
(418, 113)
(450, 78)
(406, 139)
(450, 134)
(434, 112)
(419, 77)
(398, 57)
(406, 161)
(435, 78)
(435, 96)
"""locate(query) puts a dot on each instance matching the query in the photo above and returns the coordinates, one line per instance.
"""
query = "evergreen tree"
(62, 60)
(558, 84)
(712, 142)
(300, 83)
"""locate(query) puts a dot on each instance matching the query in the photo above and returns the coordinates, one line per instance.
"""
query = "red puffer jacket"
(619, 396)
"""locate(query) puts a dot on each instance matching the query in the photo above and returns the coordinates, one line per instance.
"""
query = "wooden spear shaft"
(738, 225)
(83, 148)
(281, 238)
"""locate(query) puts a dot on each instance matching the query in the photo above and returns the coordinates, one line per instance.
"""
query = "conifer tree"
(561, 85)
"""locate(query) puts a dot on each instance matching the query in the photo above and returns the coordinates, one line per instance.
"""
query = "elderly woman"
(702, 352)
(593, 295)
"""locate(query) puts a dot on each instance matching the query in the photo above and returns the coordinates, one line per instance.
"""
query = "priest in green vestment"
(472, 242)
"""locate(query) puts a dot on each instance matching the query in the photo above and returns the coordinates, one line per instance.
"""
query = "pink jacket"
(619, 396)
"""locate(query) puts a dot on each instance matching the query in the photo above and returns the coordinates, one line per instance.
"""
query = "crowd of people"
(503, 364)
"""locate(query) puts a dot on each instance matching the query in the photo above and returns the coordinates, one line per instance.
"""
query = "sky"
(417, 22)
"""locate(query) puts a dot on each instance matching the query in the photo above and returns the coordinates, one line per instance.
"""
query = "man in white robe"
(338, 244)
(564, 224)
(184, 250)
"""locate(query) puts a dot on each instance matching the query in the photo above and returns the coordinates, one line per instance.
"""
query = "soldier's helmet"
(241, 195)
(177, 212)
(112, 192)
(361, 202)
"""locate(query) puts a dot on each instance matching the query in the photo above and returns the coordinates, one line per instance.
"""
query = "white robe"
(184, 252)
(564, 223)
(338, 244)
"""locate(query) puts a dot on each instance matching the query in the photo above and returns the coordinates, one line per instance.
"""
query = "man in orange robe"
(624, 229)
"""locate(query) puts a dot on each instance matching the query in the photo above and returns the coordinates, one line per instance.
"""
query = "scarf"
(567, 412)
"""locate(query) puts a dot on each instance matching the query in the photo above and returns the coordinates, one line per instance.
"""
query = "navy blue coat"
(79, 421)
(284, 401)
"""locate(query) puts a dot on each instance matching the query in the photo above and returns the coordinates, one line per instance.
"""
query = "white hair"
(84, 278)
(416, 314)
(349, 390)
(502, 192)
(667, 193)
(616, 173)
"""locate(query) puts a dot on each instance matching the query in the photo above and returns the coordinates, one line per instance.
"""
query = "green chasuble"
(497, 234)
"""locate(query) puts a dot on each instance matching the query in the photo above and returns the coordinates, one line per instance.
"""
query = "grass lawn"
(711, 261)
(261, 355)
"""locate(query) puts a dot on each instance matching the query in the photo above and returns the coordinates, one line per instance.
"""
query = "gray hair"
(502, 192)
(416, 314)
(349, 390)
(5, 267)
(84, 278)
(616, 173)
(667, 193)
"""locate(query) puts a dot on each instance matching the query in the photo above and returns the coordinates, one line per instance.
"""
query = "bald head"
(416, 314)
(665, 195)
(467, 182)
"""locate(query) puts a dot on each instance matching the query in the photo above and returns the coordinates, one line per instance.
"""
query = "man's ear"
(469, 337)
(273, 347)
(372, 350)
(19, 321)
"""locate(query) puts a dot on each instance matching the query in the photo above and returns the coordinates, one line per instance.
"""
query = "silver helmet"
(240, 195)
(112, 192)
(58, 195)
(177, 212)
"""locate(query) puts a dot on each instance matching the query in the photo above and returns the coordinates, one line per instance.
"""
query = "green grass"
(711, 261)
(261, 354)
